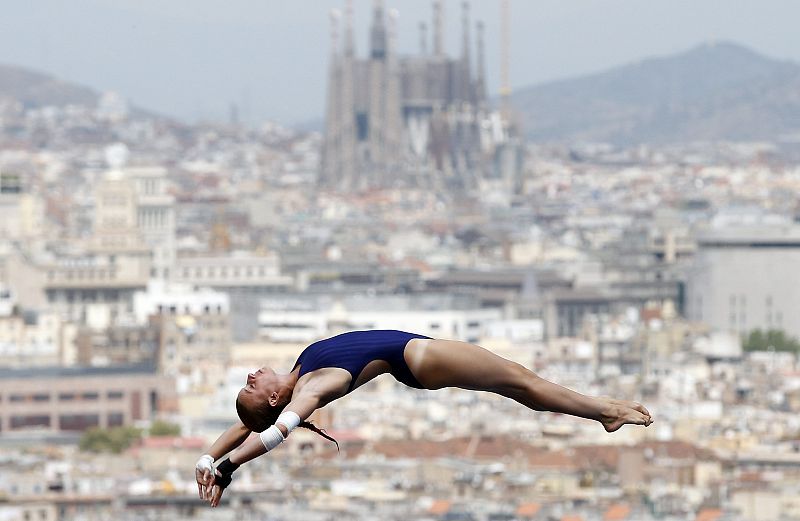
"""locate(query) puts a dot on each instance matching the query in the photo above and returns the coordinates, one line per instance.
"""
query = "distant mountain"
(714, 91)
(35, 89)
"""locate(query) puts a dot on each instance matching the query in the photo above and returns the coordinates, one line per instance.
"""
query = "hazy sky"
(193, 58)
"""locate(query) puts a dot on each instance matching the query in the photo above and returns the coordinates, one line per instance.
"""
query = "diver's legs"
(450, 363)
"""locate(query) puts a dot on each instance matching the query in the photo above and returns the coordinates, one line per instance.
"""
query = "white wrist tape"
(272, 437)
(206, 462)
(288, 419)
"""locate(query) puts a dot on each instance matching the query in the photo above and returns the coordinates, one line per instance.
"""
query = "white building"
(745, 278)
(289, 319)
(177, 299)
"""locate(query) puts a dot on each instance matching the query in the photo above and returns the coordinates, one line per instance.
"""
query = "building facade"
(75, 399)
(155, 216)
(743, 278)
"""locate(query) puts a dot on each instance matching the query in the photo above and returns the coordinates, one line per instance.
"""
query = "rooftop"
(9, 373)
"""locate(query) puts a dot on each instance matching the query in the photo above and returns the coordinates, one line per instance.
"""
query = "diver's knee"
(516, 378)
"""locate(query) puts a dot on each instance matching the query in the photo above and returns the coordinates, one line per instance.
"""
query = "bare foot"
(620, 412)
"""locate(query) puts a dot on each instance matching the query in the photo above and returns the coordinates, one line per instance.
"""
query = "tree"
(162, 428)
(773, 339)
(113, 440)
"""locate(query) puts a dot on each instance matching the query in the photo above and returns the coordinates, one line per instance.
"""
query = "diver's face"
(260, 384)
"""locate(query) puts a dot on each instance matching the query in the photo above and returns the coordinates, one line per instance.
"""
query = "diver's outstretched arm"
(229, 440)
(302, 405)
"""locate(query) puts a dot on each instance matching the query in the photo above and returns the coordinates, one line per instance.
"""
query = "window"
(66, 397)
(90, 396)
(115, 419)
(114, 395)
(78, 422)
(38, 420)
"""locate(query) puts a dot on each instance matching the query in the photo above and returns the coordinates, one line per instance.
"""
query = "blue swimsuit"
(354, 350)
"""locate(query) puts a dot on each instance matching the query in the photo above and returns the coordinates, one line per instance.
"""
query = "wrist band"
(225, 473)
(271, 438)
(206, 462)
(288, 419)
(227, 467)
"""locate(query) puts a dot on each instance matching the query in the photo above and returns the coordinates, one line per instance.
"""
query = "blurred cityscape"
(147, 265)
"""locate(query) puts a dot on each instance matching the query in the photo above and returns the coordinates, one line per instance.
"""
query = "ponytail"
(310, 426)
(265, 415)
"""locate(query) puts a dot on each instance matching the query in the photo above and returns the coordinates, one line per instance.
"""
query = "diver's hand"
(222, 478)
(216, 495)
(204, 474)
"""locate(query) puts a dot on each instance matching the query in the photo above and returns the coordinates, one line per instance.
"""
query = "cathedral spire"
(481, 65)
(331, 152)
(335, 15)
(465, 55)
(349, 44)
(378, 32)
(438, 28)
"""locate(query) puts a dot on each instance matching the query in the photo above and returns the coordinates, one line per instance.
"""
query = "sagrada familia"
(402, 121)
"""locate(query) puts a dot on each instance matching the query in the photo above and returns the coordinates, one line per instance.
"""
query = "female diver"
(274, 404)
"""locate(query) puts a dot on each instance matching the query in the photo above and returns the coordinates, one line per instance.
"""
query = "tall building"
(396, 120)
(155, 217)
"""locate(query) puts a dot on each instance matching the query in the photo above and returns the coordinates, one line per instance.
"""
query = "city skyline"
(193, 64)
(630, 235)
